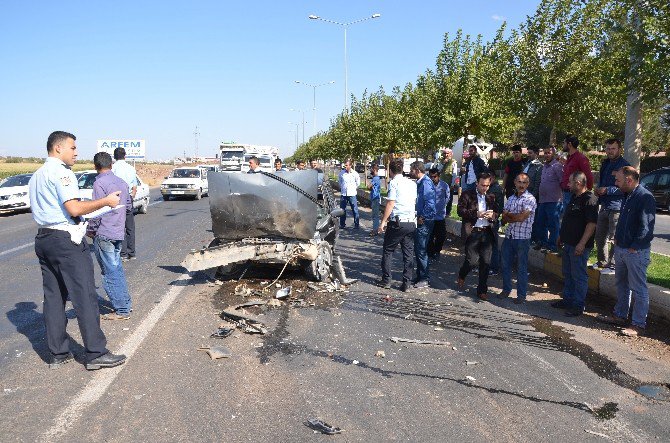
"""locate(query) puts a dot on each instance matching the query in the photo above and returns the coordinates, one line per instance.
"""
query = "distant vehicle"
(658, 183)
(231, 156)
(360, 168)
(14, 193)
(209, 168)
(185, 181)
(407, 162)
(87, 178)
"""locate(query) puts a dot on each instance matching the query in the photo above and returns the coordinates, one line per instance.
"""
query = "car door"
(662, 189)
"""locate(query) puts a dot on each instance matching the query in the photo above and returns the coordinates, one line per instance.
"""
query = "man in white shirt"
(127, 173)
(400, 217)
(349, 182)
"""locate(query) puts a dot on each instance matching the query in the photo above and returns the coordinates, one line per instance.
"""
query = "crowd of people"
(549, 204)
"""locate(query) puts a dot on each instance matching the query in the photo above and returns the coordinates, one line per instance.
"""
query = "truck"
(271, 219)
(266, 155)
(232, 156)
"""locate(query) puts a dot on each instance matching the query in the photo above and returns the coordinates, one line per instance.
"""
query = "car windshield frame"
(232, 155)
(15, 180)
(187, 173)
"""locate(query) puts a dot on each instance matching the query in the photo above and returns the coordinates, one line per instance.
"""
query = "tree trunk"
(552, 136)
(632, 144)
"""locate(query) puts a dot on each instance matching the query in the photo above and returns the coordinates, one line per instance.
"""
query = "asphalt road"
(526, 380)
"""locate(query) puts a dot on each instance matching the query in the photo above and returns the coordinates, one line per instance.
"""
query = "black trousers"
(478, 246)
(128, 245)
(67, 270)
(437, 237)
(398, 234)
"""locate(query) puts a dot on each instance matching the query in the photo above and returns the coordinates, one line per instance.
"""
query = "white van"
(185, 181)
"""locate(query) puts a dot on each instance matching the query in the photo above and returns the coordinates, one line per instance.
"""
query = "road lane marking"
(18, 248)
(154, 203)
(102, 379)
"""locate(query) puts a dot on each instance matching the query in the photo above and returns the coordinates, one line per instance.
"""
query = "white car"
(185, 181)
(140, 202)
(14, 193)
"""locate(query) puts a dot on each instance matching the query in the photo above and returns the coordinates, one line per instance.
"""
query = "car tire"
(198, 196)
(166, 197)
(319, 269)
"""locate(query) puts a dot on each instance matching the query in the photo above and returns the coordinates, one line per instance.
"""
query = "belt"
(403, 220)
(478, 229)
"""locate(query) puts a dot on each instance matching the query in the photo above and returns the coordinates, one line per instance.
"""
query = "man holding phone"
(477, 208)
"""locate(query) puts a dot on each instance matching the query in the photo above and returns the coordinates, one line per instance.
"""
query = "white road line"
(102, 379)
(154, 203)
(18, 248)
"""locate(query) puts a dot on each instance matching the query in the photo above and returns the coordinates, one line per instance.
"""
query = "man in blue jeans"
(577, 229)
(519, 212)
(375, 197)
(425, 220)
(108, 232)
(632, 250)
(349, 183)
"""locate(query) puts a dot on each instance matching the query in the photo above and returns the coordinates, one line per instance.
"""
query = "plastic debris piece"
(454, 348)
(323, 427)
(380, 354)
(419, 342)
(274, 302)
(471, 363)
(223, 333)
(470, 378)
(438, 329)
(355, 362)
(216, 352)
(252, 302)
(283, 293)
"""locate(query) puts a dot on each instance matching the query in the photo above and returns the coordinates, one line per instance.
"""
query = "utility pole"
(196, 133)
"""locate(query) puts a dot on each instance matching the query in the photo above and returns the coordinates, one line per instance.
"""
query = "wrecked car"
(273, 219)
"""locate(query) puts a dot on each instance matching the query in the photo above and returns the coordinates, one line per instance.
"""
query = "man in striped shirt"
(519, 212)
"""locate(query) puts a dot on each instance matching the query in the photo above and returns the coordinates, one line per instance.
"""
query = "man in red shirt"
(576, 162)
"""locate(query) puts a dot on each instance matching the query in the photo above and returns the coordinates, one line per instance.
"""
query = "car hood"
(176, 181)
(13, 190)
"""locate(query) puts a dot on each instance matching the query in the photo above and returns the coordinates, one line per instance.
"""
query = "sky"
(154, 70)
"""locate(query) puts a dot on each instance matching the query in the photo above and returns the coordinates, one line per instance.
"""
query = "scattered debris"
(453, 348)
(252, 302)
(283, 293)
(606, 437)
(387, 299)
(216, 352)
(419, 342)
(274, 302)
(277, 285)
(323, 427)
(471, 363)
(438, 329)
(380, 354)
(223, 333)
(246, 323)
(470, 378)
(355, 362)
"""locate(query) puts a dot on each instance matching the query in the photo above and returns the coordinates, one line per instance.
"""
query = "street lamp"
(345, 26)
(314, 97)
(303, 123)
(296, 133)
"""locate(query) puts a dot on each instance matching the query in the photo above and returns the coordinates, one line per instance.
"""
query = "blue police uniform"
(67, 267)
(127, 173)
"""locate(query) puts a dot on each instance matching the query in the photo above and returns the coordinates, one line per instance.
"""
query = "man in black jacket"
(472, 168)
(478, 209)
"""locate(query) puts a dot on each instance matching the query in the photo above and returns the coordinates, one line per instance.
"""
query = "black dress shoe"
(405, 286)
(59, 360)
(107, 360)
(383, 284)
(561, 304)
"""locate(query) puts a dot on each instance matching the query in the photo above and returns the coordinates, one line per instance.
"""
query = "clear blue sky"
(154, 70)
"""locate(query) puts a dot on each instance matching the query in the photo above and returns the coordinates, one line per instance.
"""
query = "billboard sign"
(135, 149)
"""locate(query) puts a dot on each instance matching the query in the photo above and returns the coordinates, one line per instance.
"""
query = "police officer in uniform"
(400, 217)
(67, 267)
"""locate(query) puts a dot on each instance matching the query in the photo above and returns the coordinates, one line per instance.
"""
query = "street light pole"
(314, 98)
(346, 68)
(303, 123)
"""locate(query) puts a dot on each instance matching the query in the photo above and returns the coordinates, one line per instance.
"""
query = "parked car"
(185, 181)
(14, 193)
(658, 183)
(140, 202)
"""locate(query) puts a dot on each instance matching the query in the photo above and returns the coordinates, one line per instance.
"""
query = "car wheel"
(166, 197)
(145, 206)
(198, 196)
(319, 269)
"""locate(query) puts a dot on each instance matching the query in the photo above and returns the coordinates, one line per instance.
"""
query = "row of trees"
(595, 68)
